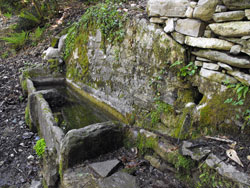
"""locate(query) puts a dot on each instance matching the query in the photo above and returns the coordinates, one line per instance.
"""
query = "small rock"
(36, 184)
(208, 33)
(235, 50)
(30, 157)
(169, 26)
(225, 66)
(12, 155)
(22, 144)
(27, 135)
(248, 157)
(1, 163)
(220, 8)
(211, 66)
(247, 13)
(180, 38)
(198, 63)
(14, 121)
(189, 12)
(192, 4)
(133, 5)
(20, 123)
(20, 150)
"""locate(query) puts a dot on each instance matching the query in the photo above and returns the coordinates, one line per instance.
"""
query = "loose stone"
(190, 27)
(211, 66)
(169, 26)
(205, 9)
(229, 16)
(235, 50)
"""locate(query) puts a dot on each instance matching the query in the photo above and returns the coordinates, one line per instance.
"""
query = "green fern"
(30, 16)
(36, 35)
(17, 40)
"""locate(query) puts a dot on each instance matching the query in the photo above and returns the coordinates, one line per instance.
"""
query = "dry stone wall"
(217, 32)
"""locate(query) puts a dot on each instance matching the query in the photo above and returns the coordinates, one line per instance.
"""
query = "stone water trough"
(74, 129)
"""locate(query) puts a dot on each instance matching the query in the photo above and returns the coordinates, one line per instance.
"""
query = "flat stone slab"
(216, 76)
(236, 4)
(229, 16)
(211, 66)
(190, 27)
(237, 61)
(105, 168)
(167, 8)
(225, 66)
(119, 180)
(242, 77)
(231, 29)
(210, 43)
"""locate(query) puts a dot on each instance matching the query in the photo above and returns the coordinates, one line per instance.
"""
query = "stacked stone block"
(217, 32)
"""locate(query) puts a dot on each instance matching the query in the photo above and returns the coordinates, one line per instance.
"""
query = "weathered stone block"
(216, 76)
(239, 61)
(180, 38)
(229, 16)
(235, 50)
(190, 27)
(168, 8)
(210, 66)
(210, 43)
(205, 9)
(156, 20)
(247, 13)
(236, 4)
(220, 8)
(242, 77)
(231, 29)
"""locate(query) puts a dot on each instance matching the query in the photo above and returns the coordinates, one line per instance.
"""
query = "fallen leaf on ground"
(232, 154)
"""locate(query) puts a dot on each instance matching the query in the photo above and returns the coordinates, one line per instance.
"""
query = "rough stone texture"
(158, 163)
(198, 63)
(239, 61)
(211, 66)
(121, 77)
(229, 16)
(167, 8)
(236, 4)
(195, 153)
(180, 38)
(208, 33)
(169, 25)
(231, 29)
(205, 9)
(79, 177)
(247, 13)
(242, 77)
(119, 179)
(210, 43)
(225, 66)
(189, 12)
(50, 168)
(235, 50)
(203, 59)
(220, 8)
(190, 27)
(89, 142)
(216, 76)
(36, 184)
(156, 20)
(105, 168)
(228, 170)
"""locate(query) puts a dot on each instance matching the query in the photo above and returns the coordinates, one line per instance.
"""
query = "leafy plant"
(40, 147)
(36, 35)
(29, 16)
(7, 15)
(17, 40)
(187, 70)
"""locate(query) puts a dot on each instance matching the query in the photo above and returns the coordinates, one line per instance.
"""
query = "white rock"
(51, 53)
(189, 12)
(209, 43)
(61, 42)
(208, 33)
(203, 59)
(12, 155)
(192, 4)
(30, 157)
(211, 66)
(225, 66)
(235, 50)
(205, 9)
(169, 26)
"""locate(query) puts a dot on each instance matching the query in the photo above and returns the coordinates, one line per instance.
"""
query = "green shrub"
(40, 147)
